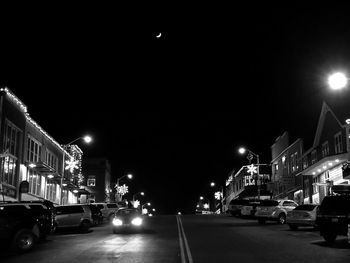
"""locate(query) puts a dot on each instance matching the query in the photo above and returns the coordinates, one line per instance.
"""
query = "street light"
(87, 139)
(250, 156)
(337, 81)
(212, 184)
(133, 197)
(127, 175)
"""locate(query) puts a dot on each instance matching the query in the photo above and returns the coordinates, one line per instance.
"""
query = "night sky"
(173, 111)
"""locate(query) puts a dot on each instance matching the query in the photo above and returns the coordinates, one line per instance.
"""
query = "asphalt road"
(199, 239)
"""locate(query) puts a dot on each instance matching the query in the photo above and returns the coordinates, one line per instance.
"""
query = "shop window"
(314, 185)
(9, 170)
(91, 182)
(34, 183)
(313, 156)
(33, 150)
(338, 144)
(325, 149)
(51, 160)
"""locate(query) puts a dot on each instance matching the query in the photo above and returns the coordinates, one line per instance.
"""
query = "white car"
(274, 210)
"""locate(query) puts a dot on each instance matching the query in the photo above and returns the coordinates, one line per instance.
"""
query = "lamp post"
(87, 139)
(133, 197)
(117, 184)
(250, 156)
(212, 184)
(201, 198)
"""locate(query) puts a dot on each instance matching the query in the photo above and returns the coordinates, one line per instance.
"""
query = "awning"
(43, 168)
(324, 164)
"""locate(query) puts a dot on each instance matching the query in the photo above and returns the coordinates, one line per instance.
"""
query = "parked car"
(333, 216)
(78, 215)
(97, 217)
(274, 210)
(234, 207)
(22, 224)
(108, 210)
(249, 209)
(302, 215)
(127, 219)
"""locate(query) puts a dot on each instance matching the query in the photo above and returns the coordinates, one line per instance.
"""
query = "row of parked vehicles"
(22, 224)
(331, 217)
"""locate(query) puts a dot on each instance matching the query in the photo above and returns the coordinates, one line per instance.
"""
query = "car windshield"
(305, 207)
(127, 212)
(268, 203)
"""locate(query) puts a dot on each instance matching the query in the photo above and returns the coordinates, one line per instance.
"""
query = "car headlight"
(137, 221)
(117, 222)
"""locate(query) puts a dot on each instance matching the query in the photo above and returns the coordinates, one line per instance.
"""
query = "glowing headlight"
(117, 222)
(137, 221)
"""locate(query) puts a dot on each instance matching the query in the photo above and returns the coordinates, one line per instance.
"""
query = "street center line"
(189, 255)
(183, 260)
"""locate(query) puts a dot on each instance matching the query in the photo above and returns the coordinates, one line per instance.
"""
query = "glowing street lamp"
(242, 150)
(337, 81)
(127, 175)
(212, 184)
(133, 197)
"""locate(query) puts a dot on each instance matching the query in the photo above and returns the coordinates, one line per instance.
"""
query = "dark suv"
(22, 224)
(333, 216)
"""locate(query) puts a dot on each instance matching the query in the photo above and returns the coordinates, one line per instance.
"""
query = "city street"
(206, 238)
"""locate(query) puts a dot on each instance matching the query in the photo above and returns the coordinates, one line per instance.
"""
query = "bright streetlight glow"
(242, 150)
(142, 193)
(212, 184)
(148, 204)
(201, 197)
(153, 209)
(87, 139)
(130, 176)
(179, 213)
(337, 81)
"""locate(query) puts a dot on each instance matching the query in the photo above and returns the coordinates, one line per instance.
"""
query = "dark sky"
(174, 110)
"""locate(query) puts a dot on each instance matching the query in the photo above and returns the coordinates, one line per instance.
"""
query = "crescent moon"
(160, 34)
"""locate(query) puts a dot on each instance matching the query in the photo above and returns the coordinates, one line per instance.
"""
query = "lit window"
(91, 182)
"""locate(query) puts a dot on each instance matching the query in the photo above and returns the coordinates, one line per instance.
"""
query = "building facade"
(97, 177)
(323, 162)
(286, 182)
(248, 183)
(29, 154)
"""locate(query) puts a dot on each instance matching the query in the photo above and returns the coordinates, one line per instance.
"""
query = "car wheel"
(282, 219)
(329, 237)
(262, 221)
(84, 226)
(24, 240)
(293, 227)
